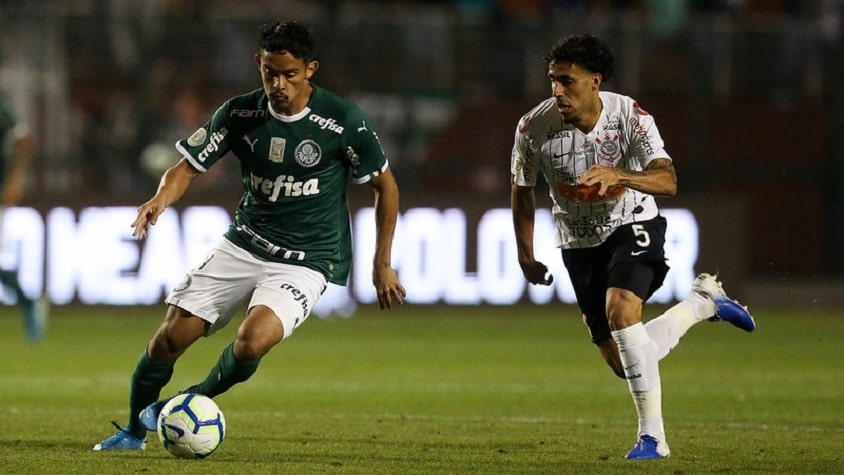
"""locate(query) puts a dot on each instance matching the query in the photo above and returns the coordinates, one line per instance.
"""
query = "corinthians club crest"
(608, 149)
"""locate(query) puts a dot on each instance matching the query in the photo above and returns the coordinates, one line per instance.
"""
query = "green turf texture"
(437, 390)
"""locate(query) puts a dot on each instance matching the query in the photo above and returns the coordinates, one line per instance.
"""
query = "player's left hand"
(387, 287)
(604, 177)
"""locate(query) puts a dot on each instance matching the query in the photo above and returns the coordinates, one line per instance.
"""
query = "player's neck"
(589, 119)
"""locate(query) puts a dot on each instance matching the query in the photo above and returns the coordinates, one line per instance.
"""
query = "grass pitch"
(437, 390)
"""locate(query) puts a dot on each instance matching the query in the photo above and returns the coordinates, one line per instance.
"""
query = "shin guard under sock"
(638, 354)
(226, 373)
(147, 380)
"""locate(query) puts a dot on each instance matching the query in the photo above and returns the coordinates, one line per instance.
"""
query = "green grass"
(437, 390)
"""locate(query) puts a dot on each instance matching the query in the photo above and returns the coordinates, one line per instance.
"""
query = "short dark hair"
(586, 51)
(292, 36)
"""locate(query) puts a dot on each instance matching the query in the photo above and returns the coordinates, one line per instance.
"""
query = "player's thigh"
(587, 269)
(290, 291)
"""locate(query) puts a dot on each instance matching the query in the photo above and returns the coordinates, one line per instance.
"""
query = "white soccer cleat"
(726, 309)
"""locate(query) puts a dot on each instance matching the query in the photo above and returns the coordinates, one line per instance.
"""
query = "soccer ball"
(191, 426)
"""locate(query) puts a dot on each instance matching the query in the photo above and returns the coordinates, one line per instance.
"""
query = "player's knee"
(261, 330)
(250, 349)
(623, 309)
(179, 330)
(163, 348)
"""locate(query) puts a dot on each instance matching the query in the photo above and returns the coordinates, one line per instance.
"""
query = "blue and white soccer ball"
(191, 426)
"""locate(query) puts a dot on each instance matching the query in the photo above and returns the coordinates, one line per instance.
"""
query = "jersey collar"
(289, 118)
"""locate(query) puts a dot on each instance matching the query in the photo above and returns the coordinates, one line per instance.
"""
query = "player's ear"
(258, 60)
(597, 79)
(311, 69)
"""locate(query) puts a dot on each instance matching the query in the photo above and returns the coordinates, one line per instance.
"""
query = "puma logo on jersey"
(284, 185)
(251, 143)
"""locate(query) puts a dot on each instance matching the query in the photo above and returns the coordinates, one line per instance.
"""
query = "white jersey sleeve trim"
(190, 158)
(370, 176)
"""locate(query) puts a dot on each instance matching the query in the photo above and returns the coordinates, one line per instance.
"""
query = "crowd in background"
(108, 86)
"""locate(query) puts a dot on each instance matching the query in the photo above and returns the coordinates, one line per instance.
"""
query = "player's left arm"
(658, 178)
(385, 279)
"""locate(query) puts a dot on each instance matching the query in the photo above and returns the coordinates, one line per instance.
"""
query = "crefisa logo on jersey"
(308, 153)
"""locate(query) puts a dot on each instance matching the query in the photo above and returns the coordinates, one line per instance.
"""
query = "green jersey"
(8, 122)
(294, 170)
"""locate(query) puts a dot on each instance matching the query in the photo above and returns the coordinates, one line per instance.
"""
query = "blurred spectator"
(13, 172)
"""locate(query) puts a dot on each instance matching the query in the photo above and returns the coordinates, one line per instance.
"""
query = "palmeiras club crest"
(308, 153)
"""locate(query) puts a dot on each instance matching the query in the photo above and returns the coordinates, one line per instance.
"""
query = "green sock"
(226, 373)
(147, 380)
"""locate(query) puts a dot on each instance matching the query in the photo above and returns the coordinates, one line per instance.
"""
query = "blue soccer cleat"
(726, 309)
(648, 448)
(149, 415)
(122, 440)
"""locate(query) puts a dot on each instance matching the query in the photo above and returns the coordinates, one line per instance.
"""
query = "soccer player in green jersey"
(13, 169)
(298, 146)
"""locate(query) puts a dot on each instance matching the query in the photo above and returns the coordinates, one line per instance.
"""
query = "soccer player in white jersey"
(604, 161)
(298, 145)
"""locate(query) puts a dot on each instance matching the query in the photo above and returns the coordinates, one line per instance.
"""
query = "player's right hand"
(537, 273)
(148, 214)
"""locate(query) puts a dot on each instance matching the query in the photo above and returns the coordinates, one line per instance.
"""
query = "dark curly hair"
(586, 51)
(291, 36)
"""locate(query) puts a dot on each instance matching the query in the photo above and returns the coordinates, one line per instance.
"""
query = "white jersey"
(625, 136)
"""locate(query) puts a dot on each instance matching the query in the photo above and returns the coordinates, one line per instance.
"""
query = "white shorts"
(3, 209)
(215, 289)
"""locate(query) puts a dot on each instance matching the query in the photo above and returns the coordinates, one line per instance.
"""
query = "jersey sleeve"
(8, 121)
(364, 152)
(209, 143)
(523, 166)
(645, 141)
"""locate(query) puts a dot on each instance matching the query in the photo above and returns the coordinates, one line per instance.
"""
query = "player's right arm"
(523, 206)
(523, 170)
(174, 183)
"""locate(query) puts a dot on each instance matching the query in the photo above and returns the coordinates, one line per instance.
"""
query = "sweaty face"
(285, 80)
(576, 92)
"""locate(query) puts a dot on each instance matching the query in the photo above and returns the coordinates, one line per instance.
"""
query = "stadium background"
(745, 94)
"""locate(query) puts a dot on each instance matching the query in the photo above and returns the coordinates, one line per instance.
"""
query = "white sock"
(638, 354)
(666, 329)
